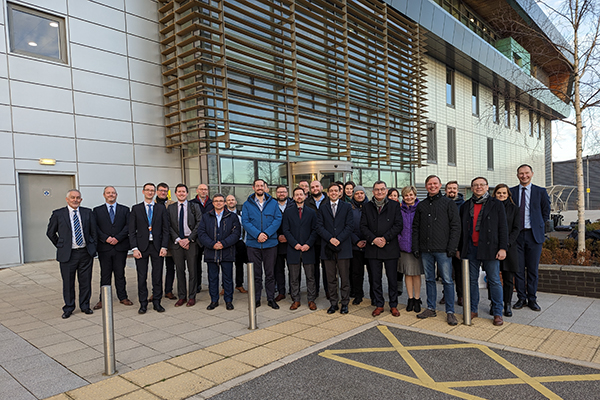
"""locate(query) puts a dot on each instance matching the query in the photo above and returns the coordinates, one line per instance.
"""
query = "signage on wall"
(47, 193)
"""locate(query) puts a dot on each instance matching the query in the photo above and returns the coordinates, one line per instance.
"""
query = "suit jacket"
(493, 229)
(387, 224)
(194, 216)
(539, 209)
(139, 235)
(60, 234)
(340, 227)
(204, 208)
(513, 219)
(282, 247)
(119, 229)
(311, 203)
(300, 231)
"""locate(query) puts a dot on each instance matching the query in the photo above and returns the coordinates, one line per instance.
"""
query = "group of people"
(333, 235)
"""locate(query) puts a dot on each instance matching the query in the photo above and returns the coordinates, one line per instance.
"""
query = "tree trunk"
(579, 149)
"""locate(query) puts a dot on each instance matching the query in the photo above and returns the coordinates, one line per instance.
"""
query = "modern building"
(565, 179)
(124, 92)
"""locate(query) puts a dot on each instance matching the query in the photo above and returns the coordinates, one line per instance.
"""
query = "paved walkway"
(193, 352)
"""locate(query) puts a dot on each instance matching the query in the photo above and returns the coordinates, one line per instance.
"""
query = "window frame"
(450, 76)
(496, 108)
(490, 154)
(432, 154)
(475, 98)
(451, 139)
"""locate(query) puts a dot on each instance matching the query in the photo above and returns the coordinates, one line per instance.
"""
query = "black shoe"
(507, 310)
(142, 310)
(534, 306)
(357, 301)
(519, 304)
(87, 311)
(491, 310)
(213, 305)
(417, 305)
(332, 309)
(273, 304)
(158, 307)
(198, 289)
(67, 314)
(257, 303)
(229, 306)
(344, 309)
(410, 305)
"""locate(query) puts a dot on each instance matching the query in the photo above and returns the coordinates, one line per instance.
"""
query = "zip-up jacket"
(256, 221)
(436, 226)
(228, 233)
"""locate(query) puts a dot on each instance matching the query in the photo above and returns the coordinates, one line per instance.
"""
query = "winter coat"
(387, 224)
(493, 231)
(228, 233)
(405, 237)
(513, 219)
(436, 226)
(257, 221)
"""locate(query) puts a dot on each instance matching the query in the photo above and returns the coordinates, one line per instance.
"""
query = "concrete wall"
(100, 115)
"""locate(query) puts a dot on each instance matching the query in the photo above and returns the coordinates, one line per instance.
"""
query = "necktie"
(111, 213)
(150, 215)
(300, 212)
(379, 210)
(522, 207)
(77, 226)
(181, 231)
(333, 206)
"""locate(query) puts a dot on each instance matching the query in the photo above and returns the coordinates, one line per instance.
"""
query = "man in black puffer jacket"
(436, 232)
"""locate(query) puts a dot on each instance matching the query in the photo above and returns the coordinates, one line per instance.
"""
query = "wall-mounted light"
(47, 161)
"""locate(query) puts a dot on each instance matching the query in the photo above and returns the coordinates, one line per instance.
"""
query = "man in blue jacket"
(261, 218)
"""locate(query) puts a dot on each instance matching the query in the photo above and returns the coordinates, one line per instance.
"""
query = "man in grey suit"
(184, 218)
(72, 230)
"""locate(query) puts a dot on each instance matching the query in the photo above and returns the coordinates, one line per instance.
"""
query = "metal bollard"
(466, 293)
(109, 331)
(251, 296)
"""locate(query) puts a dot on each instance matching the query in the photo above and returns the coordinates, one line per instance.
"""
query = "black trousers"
(391, 271)
(320, 267)
(79, 264)
(335, 268)
(185, 258)
(142, 275)
(508, 286)
(357, 268)
(280, 273)
(170, 273)
(113, 262)
(199, 267)
(263, 259)
(458, 276)
(241, 257)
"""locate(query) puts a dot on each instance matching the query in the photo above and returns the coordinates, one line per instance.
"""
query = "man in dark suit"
(205, 203)
(314, 199)
(162, 197)
(335, 226)
(112, 226)
(299, 227)
(284, 202)
(534, 210)
(184, 217)
(381, 223)
(149, 238)
(72, 230)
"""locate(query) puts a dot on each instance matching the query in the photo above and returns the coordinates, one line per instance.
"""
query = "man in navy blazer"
(534, 207)
(299, 223)
(335, 224)
(72, 230)
(149, 238)
(112, 225)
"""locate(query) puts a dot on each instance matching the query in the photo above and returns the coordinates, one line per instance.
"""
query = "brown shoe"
(98, 305)
(312, 306)
(150, 298)
(180, 302)
(241, 289)
(127, 302)
(474, 315)
(171, 296)
(395, 312)
(295, 305)
(498, 320)
(279, 297)
(191, 303)
(222, 292)
(377, 311)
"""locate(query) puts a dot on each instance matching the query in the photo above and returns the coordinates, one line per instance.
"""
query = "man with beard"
(205, 203)
(314, 201)
(359, 262)
(162, 197)
(452, 193)
(284, 202)
(241, 254)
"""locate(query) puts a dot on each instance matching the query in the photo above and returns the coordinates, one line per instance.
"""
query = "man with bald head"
(203, 200)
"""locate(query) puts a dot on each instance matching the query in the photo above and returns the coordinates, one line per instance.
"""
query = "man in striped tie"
(72, 230)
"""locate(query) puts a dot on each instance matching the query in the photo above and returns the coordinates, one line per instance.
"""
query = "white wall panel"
(31, 70)
(2, 34)
(148, 134)
(97, 13)
(156, 156)
(9, 223)
(142, 27)
(6, 145)
(142, 71)
(36, 147)
(106, 174)
(9, 248)
(98, 61)
(42, 97)
(144, 8)
(59, 6)
(100, 106)
(103, 129)
(43, 122)
(7, 177)
(172, 176)
(5, 120)
(4, 97)
(147, 113)
(8, 200)
(119, 4)
(34, 166)
(2, 15)
(97, 36)
(104, 152)
(3, 64)
(143, 49)
(147, 93)
(100, 84)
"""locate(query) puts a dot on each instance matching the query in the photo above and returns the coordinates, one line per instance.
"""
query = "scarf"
(481, 200)
(381, 203)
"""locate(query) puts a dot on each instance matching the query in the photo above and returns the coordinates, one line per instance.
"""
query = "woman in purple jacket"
(409, 265)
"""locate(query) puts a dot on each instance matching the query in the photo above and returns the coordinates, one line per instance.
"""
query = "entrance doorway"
(325, 171)
(40, 194)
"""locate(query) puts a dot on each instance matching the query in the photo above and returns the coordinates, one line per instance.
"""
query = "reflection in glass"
(35, 34)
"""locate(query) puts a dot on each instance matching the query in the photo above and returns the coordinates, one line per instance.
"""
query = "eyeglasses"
(478, 185)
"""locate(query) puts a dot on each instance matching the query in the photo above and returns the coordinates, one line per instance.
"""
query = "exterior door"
(40, 194)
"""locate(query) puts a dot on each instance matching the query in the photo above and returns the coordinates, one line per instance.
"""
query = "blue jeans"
(213, 280)
(492, 271)
(444, 264)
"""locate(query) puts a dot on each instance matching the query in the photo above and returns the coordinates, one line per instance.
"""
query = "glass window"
(490, 154)
(388, 178)
(451, 146)
(475, 98)
(36, 33)
(495, 109)
(530, 123)
(506, 113)
(431, 143)
(236, 170)
(275, 173)
(449, 87)
(517, 116)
